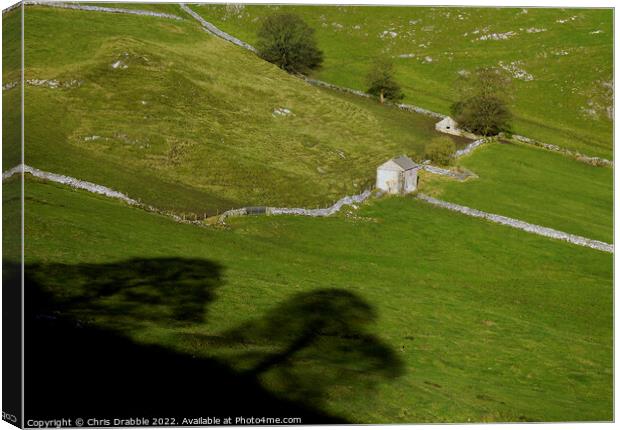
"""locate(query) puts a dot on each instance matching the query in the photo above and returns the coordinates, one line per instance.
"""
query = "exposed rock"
(53, 83)
(281, 112)
(535, 30)
(515, 70)
(118, 65)
(388, 33)
(497, 36)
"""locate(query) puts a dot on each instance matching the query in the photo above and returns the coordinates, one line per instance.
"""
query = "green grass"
(537, 186)
(11, 100)
(571, 66)
(188, 125)
(511, 345)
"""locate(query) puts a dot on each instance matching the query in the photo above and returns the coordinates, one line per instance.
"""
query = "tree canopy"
(484, 102)
(287, 41)
(381, 82)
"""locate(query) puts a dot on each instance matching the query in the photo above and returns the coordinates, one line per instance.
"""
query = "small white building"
(448, 125)
(398, 176)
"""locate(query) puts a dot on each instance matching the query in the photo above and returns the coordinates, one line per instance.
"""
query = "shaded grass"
(571, 62)
(529, 340)
(537, 186)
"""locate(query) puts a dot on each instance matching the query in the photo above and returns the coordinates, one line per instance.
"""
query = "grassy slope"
(188, 124)
(570, 64)
(536, 186)
(527, 344)
(11, 100)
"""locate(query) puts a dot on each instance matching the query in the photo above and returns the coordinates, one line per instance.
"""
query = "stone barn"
(398, 176)
(448, 125)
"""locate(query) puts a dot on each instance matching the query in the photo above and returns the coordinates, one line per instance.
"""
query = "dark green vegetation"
(420, 335)
(537, 186)
(381, 81)
(288, 42)
(188, 122)
(440, 151)
(482, 107)
(561, 59)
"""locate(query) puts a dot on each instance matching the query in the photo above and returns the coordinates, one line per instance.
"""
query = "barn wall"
(387, 180)
(411, 180)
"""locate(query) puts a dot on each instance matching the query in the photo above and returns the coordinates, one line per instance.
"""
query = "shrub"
(440, 151)
(288, 42)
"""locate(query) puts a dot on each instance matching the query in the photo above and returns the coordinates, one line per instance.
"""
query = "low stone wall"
(321, 212)
(521, 225)
(420, 110)
(103, 9)
(347, 200)
(93, 188)
(594, 161)
(216, 31)
(461, 176)
(470, 148)
(9, 85)
(68, 180)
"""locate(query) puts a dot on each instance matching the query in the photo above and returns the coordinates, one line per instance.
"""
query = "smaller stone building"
(398, 176)
(448, 125)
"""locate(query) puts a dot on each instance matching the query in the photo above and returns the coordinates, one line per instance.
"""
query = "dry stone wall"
(595, 161)
(207, 26)
(320, 212)
(461, 176)
(469, 148)
(521, 225)
(68, 180)
(103, 9)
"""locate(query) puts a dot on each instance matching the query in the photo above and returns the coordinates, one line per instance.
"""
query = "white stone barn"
(398, 176)
(448, 125)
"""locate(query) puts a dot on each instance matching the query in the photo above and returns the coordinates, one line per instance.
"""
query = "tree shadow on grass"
(80, 363)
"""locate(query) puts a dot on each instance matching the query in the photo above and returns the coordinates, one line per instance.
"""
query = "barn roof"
(405, 162)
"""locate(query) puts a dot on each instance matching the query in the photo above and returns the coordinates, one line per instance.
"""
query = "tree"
(381, 81)
(288, 42)
(484, 104)
(440, 150)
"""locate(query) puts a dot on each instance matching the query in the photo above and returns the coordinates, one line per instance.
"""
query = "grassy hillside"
(561, 58)
(421, 336)
(186, 121)
(536, 186)
(11, 100)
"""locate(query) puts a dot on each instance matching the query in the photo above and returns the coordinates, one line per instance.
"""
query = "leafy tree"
(288, 42)
(484, 104)
(381, 83)
(440, 150)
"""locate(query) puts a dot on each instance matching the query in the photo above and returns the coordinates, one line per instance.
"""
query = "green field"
(534, 185)
(567, 53)
(188, 124)
(440, 343)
